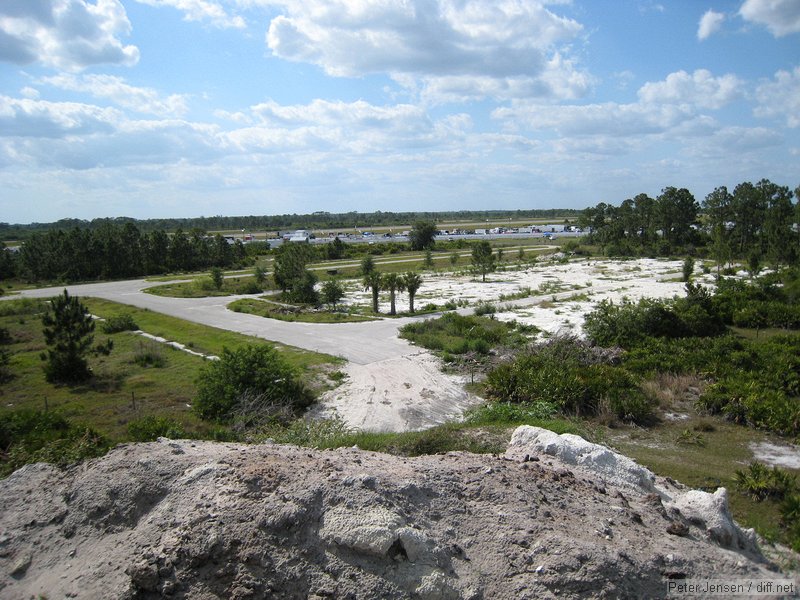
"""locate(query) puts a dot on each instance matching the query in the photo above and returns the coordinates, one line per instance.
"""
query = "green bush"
(151, 427)
(117, 323)
(28, 436)
(629, 324)
(578, 379)
(457, 334)
(485, 308)
(247, 371)
(760, 482)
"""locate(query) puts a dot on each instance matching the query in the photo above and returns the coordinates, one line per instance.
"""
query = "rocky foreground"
(553, 517)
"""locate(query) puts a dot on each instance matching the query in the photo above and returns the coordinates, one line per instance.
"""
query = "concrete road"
(361, 343)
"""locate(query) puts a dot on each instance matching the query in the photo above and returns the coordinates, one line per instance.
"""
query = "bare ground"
(188, 519)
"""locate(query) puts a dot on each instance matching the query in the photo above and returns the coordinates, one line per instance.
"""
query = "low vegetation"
(140, 391)
(292, 313)
(204, 286)
(456, 334)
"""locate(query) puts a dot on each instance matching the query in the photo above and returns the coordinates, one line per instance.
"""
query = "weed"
(150, 354)
(760, 482)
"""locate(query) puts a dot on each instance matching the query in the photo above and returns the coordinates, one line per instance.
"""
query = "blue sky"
(170, 108)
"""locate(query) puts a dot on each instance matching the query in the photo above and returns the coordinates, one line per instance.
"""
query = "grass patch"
(203, 287)
(136, 380)
(670, 449)
(207, 340)
(449, 437)
(456, 334)
(282, 312)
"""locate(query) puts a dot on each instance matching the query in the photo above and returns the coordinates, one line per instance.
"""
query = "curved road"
(362, 343)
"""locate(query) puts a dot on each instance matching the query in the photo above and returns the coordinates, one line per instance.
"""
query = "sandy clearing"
(777, 455)
(402, 394)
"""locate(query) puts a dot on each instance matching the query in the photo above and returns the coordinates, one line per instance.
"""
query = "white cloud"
(143, 100)
(710, 23)
(666, 109)
(355, 127)
(780, 98)
(699, 89)
(453, 48)
(609, 119)
(66, 34)
(201, 10)
(780, 17)
(42, 119)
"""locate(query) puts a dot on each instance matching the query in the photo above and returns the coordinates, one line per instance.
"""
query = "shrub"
(485, 308)
(28, 436)
(760, 482)
(251, 287)
(151, 427)
(117, 323)
(258, 370)
(576, 378)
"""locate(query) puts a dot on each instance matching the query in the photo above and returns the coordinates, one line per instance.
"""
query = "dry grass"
(674, 391)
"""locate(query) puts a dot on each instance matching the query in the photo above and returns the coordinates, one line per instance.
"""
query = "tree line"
(754, 222)
(318, 220)
(117, 251)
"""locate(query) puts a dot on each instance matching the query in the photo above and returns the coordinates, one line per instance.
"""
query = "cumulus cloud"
(66, 34)
(780, 17)
(710, 23)
(457, 48)
(699, 89)
(609, 119)
(143, 100)
(358, 127)
(667, 108)
(43, 119)
(203, 11)
(82, 136)
(780, 98)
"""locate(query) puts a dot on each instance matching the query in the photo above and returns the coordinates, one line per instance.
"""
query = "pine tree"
(68, 331)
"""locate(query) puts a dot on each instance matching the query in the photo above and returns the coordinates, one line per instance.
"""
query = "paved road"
(361, 343)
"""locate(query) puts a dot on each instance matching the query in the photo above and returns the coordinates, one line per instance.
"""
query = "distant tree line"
(319, 220)
(117, 251)
(754, 222)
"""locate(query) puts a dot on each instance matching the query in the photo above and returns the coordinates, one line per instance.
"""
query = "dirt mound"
(187, 519)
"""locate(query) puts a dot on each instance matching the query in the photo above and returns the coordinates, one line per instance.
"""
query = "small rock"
(21, 565)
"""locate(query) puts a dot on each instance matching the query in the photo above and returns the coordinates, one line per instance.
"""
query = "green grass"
(713, 464)
(201, 338)
(271, 310)
(449, 437)
(124, 389)
(202, 287)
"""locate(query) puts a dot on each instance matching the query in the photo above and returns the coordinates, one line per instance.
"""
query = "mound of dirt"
(554, 517)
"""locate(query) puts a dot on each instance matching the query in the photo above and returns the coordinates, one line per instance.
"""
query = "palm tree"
(394, 283)
(411, 282)
(373, 281)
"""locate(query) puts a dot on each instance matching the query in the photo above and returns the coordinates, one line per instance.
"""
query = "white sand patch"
(577, 287)
(775, 455)
(411, 393)
(403, 394)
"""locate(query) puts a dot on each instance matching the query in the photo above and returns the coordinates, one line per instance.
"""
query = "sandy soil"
(410, 393)
(403, 394)
(554, 517)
